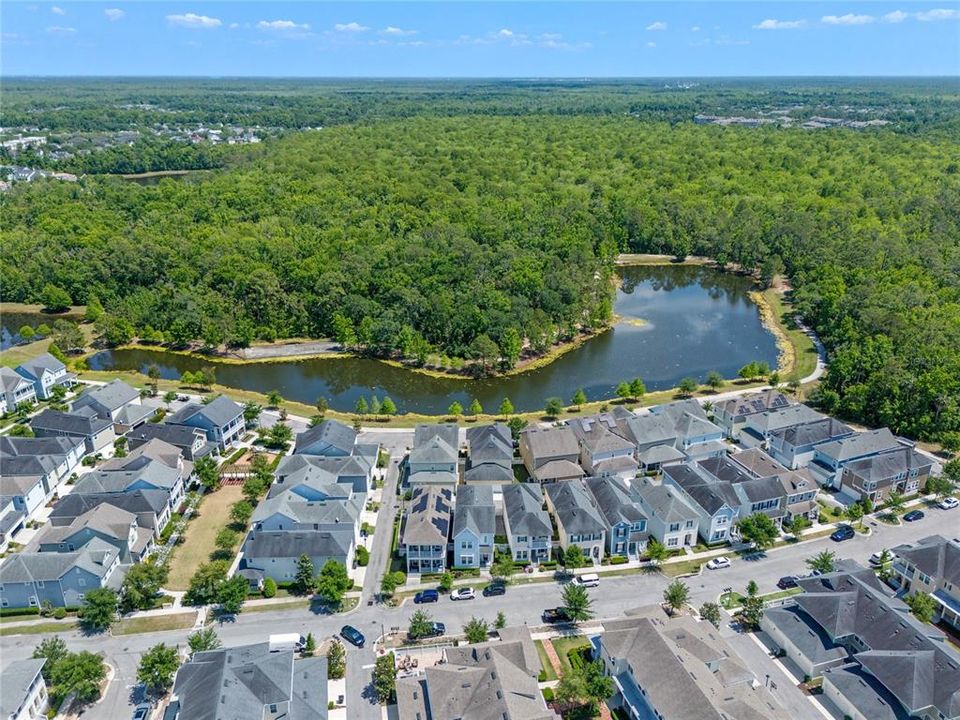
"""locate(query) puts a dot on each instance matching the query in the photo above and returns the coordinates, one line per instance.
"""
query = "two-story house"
(426, 529)
(620, 508)
(105, 522)
(757, 427)
(474, 526)
(435, 455)
(116, 401)
(697, 437)
(52, 459)
(95, 432)
(329, 438)
(829, 458)
(904, 471)
(670, 519)
(526, 522)
(755, 494)
(46, 372)
(603, 451)
(932, 566)
(578, 520)
(732, 414)
(550, 454)
(16, 390)
(716, 503)
(191, 441)
(221, 420)
(149, 475)
(794, 446)
(801, 489)
(489, 455)
(23, 691)
(289, 512)
(275, 554)
(150, 506)
(29, 579)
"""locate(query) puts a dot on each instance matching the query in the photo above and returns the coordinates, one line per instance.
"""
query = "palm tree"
(824, 561)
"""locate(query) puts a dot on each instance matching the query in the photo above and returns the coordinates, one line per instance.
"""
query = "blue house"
(221, 420)
(46, 372)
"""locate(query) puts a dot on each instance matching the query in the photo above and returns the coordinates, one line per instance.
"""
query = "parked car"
(494, 588)
(718, 563)
(844, 532)
(948, 503)
(588, 581)
(426, 596)
(142, 711)
(555, 615)
(352, 635)
(913, 516)
(787, 582)
(436, 630)
(463, 594)
(877, 557)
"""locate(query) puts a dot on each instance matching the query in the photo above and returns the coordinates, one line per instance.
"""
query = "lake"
(11, 322)
(695, 319)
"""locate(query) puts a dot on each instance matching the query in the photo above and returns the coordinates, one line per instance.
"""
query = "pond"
(12, 322)
(675, 321)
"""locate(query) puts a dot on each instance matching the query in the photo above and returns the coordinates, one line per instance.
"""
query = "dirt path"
(312, 348)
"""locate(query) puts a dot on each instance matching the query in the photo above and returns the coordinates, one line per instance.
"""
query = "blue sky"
(481, 39)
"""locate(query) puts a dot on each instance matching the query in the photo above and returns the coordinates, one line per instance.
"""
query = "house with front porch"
(758, 427)
(626, 523)
(716, 503)
(474, 526)
(46, 372)
(96, 433)
(116, 401)
(526, 522)
(425, 533)
(489, 455)
(105, 522)
(603, 451)
(732, 414)
(578, 520)
(794, 447)
(932, 565)
(904, 471)
(435, 455)
(830, 458)
(551, 454)
(275, 554)
(151, 507)
(16, 390)
(221, 420)
(52, 460)
(670, 518)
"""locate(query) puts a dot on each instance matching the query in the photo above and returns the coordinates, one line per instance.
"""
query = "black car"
(913, 515)
(426, 596)
(352, 635)
(844, 532)
(494, 589)
(787, 582)
(436, 630)
(556, 615)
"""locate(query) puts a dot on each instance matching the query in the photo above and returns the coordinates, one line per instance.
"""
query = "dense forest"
(468, 234)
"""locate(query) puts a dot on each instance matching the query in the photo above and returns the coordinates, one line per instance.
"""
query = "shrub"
(60, 613)
(363, 556)
(12, 612)
(547, 694)
(618, 560)
(269, 588)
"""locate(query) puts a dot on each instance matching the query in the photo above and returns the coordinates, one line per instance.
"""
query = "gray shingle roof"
(888, 465)
(179, 435)
(220, 411)
(860, 444)
(10, 380)
(140, 502)
(330, 432)
(15, 682)
(808, 637)
(427, 520)
(151, 451)
(558, 470)
(434, 450)
(154, 473)
(550, 442)
(659, 454)
(616, 502)
(523, 505)
(664, 503)
(756, 462)
(303, 511)
(71, 423)
(651, 429)
(449, 432)
(777, 419)
(113, 396)
(574, 508)
(710, 496)
(934, 556)
(724, 469)
(597, 437)
(474, 510)
(45, 362)
(294, 543)
(863, 691)
(814, 432)
(498, 431)
(106, 519)
(96, 557)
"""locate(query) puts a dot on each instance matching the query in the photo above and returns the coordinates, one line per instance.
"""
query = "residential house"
(757, 463)
(104, 522)
(250, 682)
(12, 521)
(274, 553)
(578, 520)
(794, 446)
(550, 454)
(732, 414)
(697, 437)
(911, 666)
(495, 680)
(426, 529)
(221, 420)
(678, 668)
(829, 458)
(29, 579)
(758, 427)
(291, 512)
(355, 471)
(26, 492)
(802, 490)
(95, 432)
(931, 566)
(622, 513)
(46, 372)
(23, 691)
(52, 459)
(434, 458)
(152, 475)
(329, 438)
(313, 486)
(603, 450)
(151, 507)
(474, 526)
(670, 519)
(526, 522)
(490, 455)
(191, 441)
(904, 471)
(116, 401)
(755, 494)
(716, 503)
(16, 390)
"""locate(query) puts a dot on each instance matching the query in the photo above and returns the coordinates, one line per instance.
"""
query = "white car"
(463, 594)
(948, 503)
(717, 563)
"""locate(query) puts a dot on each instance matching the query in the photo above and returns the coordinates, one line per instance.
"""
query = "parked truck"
(287, 641)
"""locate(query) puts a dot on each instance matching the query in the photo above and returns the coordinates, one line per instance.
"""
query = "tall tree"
(577, 602)
(157, 667)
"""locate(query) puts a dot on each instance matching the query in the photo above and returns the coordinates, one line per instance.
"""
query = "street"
(522, 604)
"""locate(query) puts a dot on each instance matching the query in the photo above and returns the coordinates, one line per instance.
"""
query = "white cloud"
(651, 44)
(59, 30)
(396, 32)
(505, 33)
(114, 14)
(848, 19)
(771, 24)
(353, 27)
(658, 25)
(896, 16)
(194, 21)
(938, 14)
(58, 10)
(281, 25)
(695, 28)
(234, 26)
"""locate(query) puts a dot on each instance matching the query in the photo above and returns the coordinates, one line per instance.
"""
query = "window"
(672, 542)
(521, 538)
(722, 520)
(689, 524)
(674, 527)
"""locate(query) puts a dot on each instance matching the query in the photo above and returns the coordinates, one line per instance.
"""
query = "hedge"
(15, 611)
(618, 560)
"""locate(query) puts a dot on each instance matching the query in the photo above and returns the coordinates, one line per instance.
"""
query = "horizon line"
(476, 77)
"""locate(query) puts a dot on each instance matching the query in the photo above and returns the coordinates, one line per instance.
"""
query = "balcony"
(900, 569)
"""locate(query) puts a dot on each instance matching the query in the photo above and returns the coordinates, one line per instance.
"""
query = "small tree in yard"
(336, 660)
(455, 409)
(752, 588)
(657, 552)
(502, 567)
(157, 668)
(854, 514)
(501, 621)
(333, 582)
(310, 646)
(476, 630)
(798, 523)
(553, 407)
(240, 513)
(941, 486)
(391, 581)
(884, 571)
(80, 673)
(476, 408)
(206, 471)
(637, 388)
(715, 380)
(446, 581)
(710, 612)
(574, 558)
(304, 579)
(225, 541)
(205, 583)
(232, 593)
(823, 562)
(203, 640)
(895, 503)
(687, 386)
(420, 625)
(269, 587)
(577, 602)
(99, 609)
(53, 649)
(141, 585)
(760, 530)
(922, 605)
(579, 398)
(676, 595)
(506, 407)
(385, 678)
(751, 612)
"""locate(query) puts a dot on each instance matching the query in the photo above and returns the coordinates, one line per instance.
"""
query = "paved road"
(383, 534)
(521, 604)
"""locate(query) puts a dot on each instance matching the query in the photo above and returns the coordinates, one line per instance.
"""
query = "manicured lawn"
(198, 542)
(564, 645)
(805, 352)
(39, 628)
(549, 673)
(685, 567)
(158, 623)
